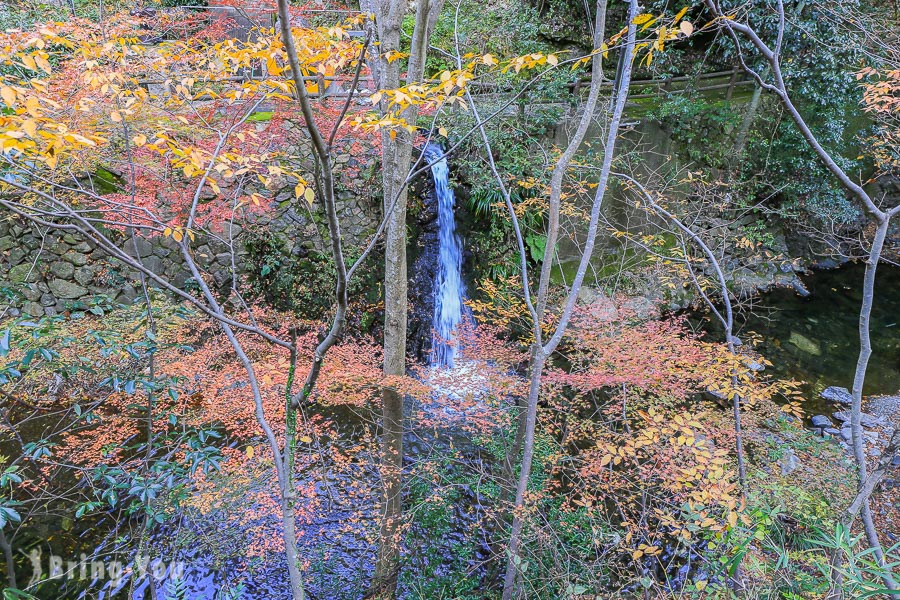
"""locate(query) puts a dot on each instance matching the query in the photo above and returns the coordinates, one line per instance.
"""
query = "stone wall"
(53, 271)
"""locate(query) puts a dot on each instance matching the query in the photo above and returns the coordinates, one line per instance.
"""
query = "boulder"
(841, 395)
(821, 421)
(866, 419)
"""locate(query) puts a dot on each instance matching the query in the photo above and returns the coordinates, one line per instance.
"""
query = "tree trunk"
(541, 353)
(396, 159)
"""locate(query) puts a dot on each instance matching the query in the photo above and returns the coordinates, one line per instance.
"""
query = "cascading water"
(449, 289)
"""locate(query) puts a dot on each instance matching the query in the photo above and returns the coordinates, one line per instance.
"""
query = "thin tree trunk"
(859, 378)
(396, 160)
(540, 353)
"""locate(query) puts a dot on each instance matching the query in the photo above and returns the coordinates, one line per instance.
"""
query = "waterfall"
(449, 288)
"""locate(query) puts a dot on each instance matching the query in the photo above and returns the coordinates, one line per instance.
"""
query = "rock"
(895, 462)
(67, 290)
(717, 397)
(7, 243)
(866, 419)
(144, 247)
(31, 292)
(788, 462)
(33, 308)
(840, 395)
(76, 258)
(17, 255)
(804, 344)
(50, 311)
(831, 432)
(736, 341)
(821, 421)
(48, 299)
(846, 434)
(84, 275)
(12, 311)
(62, 269)
(641, 307)
(23, 273)
(755, 366)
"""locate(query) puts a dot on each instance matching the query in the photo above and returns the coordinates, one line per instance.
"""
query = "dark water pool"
(815, 339)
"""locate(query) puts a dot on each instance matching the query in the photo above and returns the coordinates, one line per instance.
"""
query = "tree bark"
(396, 160)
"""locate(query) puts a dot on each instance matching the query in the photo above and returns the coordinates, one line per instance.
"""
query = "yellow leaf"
(28, 61)
(30, 127)
(700, 585)
(299, 189)
(177, 236)
(686, 28)
(309, 195)
(732, 519)
(116, 116)
(306, 439)
(376, 97)
(681, 13)
(249, 451)
(442, 131)
(44, 64)
(643, 18)
(167, 231)
(139, 140)
(552, 60)
(9, 96)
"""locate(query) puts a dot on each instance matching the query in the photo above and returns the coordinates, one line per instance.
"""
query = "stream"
(815, 340)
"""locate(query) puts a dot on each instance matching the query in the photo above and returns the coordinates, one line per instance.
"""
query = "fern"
(176, 589)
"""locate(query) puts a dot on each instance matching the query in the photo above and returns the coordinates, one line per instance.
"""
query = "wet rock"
(804, 344)
(837, 394)
(821, 421)
(866, 419)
